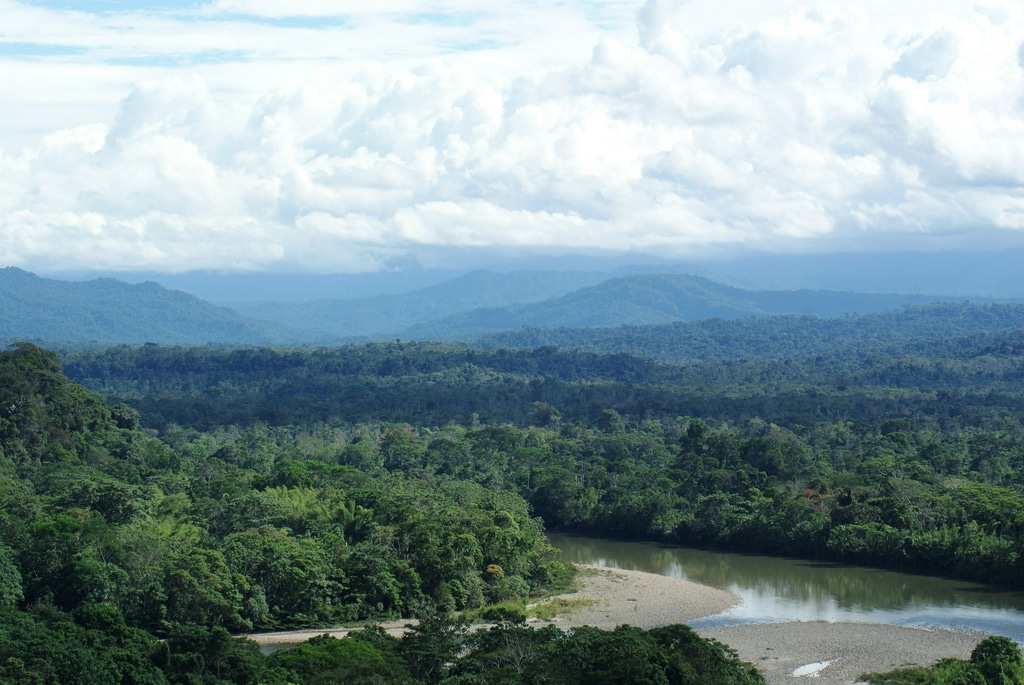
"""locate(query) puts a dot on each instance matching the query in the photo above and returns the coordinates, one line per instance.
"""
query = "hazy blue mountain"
(107, 310)
(229, 289)
(656, 299)
(994, 274)
(474, 304)
(388, 315)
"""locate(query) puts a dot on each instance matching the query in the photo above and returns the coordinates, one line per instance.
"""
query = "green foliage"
(996, 660)
(296, 489)
(504, 613)
(195, 654)
(246, 530)
(10, 579)
(116, 540)
(50, 646)
(431, 645)
(945, 672)
(921, 473)
(325, 659)
(999, 659)
(671, 655)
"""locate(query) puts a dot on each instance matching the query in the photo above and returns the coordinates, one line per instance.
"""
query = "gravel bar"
(812, 652)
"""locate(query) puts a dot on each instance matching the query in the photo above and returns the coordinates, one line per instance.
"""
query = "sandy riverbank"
(641, 599)
(613, 597)
(777, 649)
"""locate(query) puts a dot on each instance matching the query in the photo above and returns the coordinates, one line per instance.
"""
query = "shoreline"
(615, 596)
(645, 600)
(785, 652)
(837, 653)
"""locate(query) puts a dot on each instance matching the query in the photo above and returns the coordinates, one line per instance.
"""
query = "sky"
(327, 136)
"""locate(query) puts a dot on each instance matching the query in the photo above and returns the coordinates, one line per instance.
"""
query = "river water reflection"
(774, 589)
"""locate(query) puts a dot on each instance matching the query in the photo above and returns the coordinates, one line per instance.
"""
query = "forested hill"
(124, 560)
(107, 310)
(656, 299)
(773, 336)
(93, 510)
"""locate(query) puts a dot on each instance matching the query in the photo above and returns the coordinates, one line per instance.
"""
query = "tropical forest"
(160, 502)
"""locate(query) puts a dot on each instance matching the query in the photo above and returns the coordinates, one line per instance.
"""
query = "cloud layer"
(232, 137)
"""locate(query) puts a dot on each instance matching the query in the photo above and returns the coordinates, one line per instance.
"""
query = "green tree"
(326, 660)
(999, 659)
(10, 578)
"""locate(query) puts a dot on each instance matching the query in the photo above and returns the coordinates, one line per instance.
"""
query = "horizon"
(968, 274)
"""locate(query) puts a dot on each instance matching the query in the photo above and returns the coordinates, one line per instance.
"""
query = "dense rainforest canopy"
(892, 332)
(206, 490)
(909, 458)
(129, 559)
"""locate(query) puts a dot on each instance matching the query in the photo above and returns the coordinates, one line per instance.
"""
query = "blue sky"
(323, 136)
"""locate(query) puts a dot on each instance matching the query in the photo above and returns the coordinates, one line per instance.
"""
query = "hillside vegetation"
(217, 489)
(909, 457)
(125, 559)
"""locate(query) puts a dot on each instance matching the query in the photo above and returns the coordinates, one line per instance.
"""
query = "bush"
(999, 660)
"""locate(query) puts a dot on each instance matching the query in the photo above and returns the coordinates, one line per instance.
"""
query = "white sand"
(641, 599)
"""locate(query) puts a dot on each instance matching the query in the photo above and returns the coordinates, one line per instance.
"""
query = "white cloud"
(812, 128)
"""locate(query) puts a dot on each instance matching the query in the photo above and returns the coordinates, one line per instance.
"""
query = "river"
(776, 589)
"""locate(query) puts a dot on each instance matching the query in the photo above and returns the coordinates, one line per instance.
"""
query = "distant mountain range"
(995, 273)
(391, 315)
(657, 299)
(110, 311)
(483, 302)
